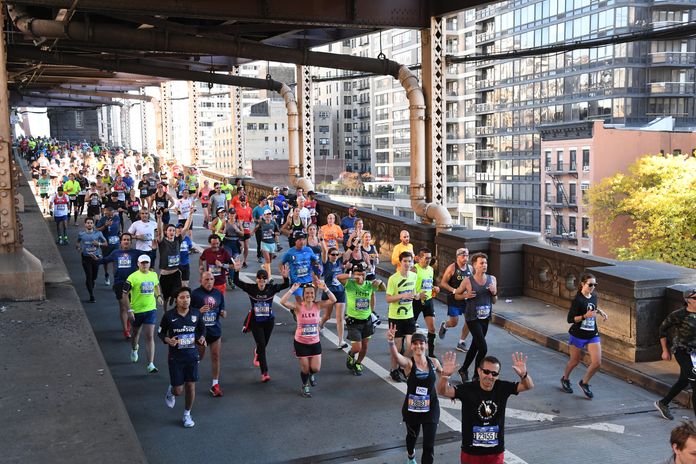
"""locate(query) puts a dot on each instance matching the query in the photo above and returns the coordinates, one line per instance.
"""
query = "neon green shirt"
(401, 309)
(227, 190)
(142, 292)
(358, 299)
(72, 187)
(424, 280)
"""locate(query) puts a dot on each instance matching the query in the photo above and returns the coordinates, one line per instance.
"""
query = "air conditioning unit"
(571, 234)
(584, 186)
(586, 168)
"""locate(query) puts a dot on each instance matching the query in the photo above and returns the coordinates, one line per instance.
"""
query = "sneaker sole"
(656, 404)
(462, 350)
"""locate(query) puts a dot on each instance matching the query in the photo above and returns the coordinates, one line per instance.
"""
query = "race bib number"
(267, 234)
(420, 402)
(262, 309)
(186, 341)
(486, 436)
(143, 192)
(147, 237)
(209, 318)
(332, 243)
(113, 239)
(404, 301)
(483, 312)
(588, 324)
(426, 285)
(147, 288)
(72, 197)
(91, 249)
(173, 261)
(301, 271)
(135, 208)
(362, 304)
(124, 262)
(310, 330)
(215, 270)
(184, 248)
(61, 208)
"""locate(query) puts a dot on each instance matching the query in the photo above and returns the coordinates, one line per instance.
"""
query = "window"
(346, 100)
(572, 228)
(573, 160)
(347, 114)
(559, 160)
(547, 193)
(586, 159)
(323, 129)
(547, 223)
(347, 127)
(547, 160)
(79, 120)
(585, 227)
(572, 194)
(559, 225)
(559, 193)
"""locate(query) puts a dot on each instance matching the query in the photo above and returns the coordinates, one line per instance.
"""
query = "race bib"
(90, 249)
(247, 226)
(262, 309)
(426, 285)
(72, 197)
(124, 262)
(332, 243)
(113, 239)
(147, 237)
(215, 270)
(485, 436)
(147, 288)
(301, 271)
(61, 208)
(173, 261)
(135, 208)
(362, 304)
(420, 402)
(483, 312)
(143, 192)
(209, 318)
(310, 330)
(184, 248)
(588, 324)
(186, 341)
(406, 302)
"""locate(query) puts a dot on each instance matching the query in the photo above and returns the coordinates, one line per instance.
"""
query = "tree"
(656, 202)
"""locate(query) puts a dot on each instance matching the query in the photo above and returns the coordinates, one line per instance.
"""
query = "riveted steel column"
(304, 102)
(125, 124)
(433, 86)
(193, 120)
(166, 119)
(237, 126)
(143, 121)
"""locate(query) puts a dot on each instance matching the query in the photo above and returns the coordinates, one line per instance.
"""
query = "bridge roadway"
(357, 418)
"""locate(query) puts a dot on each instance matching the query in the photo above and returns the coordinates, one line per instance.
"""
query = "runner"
(185, 207)
(215, 260)
(169, 240)
(109, 225)
(244, 215)
(403, 245)
(360, 323)
(94, 203)
(331, 232)
(451, 280)
(133, 206)
(678, 336)
(217, 225)
(421, 407)
(233, 234)
(44, 184)
(89, 243)
(300, 259)
(142, 289)
(292, 226)
(584, 334)
(268, 231)
(204, 194)
(61, 214)
(401, 291)
(182, 328)
(187, 247)
(71, 189)
(144, 232)
(348, 224)
(482, 292)
(483, 406)
(257, 215)
(307, 341)
(82, 194)
(210, 303)
(162, 201)
(333, 267)
(261, 316)
(424, 286)
(126, 263)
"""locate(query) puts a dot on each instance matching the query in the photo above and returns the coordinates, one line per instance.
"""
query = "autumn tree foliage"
(656, 204)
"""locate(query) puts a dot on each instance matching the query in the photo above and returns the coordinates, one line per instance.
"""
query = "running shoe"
(169, 398)
(91, 299)
(342, 345)
(411, 460)
(461, 346)
(256, 359)
(313, 380)
(215, 390)
(265, 377)
(65, 240)
(188, 422)
(305, 391)
(443, 330)
(565, 385)
(664, 410)
(395, 375)
(279, 248)
(585, 387)
(350, 362)
(259, 259)
(358, 369)
(59, 240)
(244, 265)
(134, 356)
(151, 369)
(464, 376)
(107, 281)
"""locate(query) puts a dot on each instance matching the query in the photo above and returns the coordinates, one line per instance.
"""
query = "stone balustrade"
(636, 295)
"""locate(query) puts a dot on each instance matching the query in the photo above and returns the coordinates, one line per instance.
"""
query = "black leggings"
(79, 206)
(169, 283)
(429, 432)
(686, 376)
(91, 267)
(258, 235)
(479, 347)
(262, 333)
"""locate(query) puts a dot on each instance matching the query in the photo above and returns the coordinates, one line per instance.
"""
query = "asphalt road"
(351, 418)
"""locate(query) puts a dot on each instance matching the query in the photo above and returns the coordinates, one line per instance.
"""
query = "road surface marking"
(603, 427)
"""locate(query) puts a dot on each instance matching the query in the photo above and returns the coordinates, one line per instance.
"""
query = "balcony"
(453, 178)
(486, 36)
(562, 169)
(485, 107)
(487, 153)
(484, 83)
(675, 88)
(672, 58)
(364, 101)
(570, 237)
(485, 130)
(487, 12)
(485, 199)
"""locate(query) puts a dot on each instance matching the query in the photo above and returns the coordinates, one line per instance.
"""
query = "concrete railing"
(637, 295)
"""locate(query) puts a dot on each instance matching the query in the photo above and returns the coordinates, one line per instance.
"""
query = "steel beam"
(123, 96)
(193, 121)
(304, 103)
(237, 126)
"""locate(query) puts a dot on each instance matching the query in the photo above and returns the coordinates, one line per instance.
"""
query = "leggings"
(91, 267)
(79, 206)
(257, 234)
(478, 348)
(429, 431)
(262, 333)
(169, 283)
(686, 376)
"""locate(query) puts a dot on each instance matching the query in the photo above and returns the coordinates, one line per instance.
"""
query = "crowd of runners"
(137, 225)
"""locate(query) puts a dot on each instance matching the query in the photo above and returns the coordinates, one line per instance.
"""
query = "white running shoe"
(188, 422)
(169, 399)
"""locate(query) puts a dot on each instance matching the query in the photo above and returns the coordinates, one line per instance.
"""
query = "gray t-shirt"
(169, 253)
(218, 200)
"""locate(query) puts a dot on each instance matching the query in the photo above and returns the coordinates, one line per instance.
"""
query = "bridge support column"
(305, 106)
(237, 126)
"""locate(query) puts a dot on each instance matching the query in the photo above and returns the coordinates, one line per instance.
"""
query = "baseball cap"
(689, 292)
(143, 258)
(60, 188)
(262, 273)
(352, 207)
(359, 267)
(219, 209)
(462, 251)
(418, 337)
(232, 211)
(299, 234)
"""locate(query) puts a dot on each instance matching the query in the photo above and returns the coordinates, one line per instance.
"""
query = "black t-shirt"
(169, 253)
(143, 188)
(261, 300)
(587, 328)
(115, 204)
(483, 416)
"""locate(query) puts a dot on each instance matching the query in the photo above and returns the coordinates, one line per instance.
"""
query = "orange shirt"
(331, 234)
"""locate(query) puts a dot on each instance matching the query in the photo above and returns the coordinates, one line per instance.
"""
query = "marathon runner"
(144, 232)
(169, 240)
(215, 260)
(424, 285)
(210, 303)
(89, 243)
(60, 203)
(109, 225)
(300, 259)
(451, 280)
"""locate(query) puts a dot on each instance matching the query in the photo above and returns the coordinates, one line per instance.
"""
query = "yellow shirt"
(398, 249)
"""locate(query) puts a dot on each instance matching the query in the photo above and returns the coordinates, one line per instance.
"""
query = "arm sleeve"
(164, 327)
(108, 259)
(667, 324)
(127, 286)
(246, 287)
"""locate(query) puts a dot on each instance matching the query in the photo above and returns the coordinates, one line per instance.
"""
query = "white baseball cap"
(143, 258)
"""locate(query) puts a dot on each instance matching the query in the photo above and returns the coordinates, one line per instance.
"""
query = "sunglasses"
(591, 285)
(487, 372)
(335, 254)
(261, 278)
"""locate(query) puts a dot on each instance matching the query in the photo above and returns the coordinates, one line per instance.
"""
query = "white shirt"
(143, 228)
(60, 204)
(185, 205)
